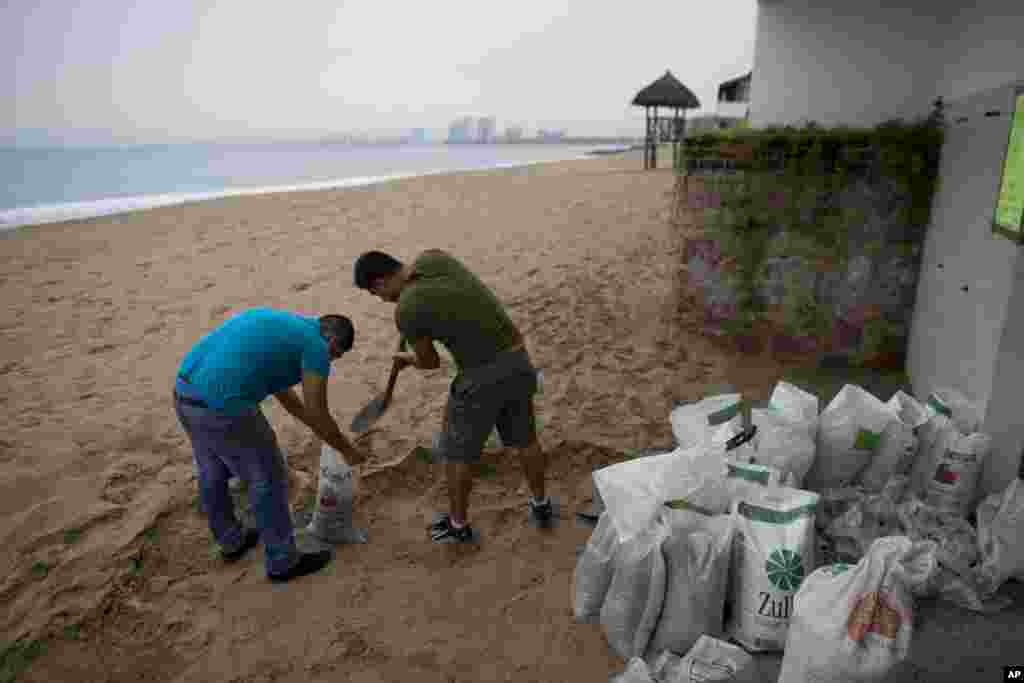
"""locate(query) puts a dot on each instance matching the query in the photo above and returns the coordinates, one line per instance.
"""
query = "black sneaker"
(440, 522)
(542, 516)
(445, 533)
(250, 541)
(307, 564)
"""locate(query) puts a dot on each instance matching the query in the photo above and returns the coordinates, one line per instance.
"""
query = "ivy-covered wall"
(809, 240)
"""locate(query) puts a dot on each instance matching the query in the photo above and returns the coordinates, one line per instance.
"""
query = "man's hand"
(405, 360)
(355, 456)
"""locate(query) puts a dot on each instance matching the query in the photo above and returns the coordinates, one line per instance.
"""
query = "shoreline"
(89, 210)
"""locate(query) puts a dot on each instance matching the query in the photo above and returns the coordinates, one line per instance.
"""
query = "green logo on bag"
(839, 568)
(785, 570)
(867, 441)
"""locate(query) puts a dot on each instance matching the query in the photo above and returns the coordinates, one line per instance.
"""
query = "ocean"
(51, 185)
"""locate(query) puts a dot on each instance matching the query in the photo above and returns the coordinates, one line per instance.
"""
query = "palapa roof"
(667, 91)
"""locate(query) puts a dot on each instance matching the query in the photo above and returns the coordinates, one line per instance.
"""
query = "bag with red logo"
(332, 519)
(954, 481)
(854, 623)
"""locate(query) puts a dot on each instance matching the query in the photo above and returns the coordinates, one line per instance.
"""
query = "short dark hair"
(373, 265)
(339, 327)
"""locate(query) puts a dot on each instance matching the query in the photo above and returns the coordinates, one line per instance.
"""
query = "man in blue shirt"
(217, 395)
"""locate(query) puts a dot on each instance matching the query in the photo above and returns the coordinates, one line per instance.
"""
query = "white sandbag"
(954, 482)
(957, 553)
(897, 449)
(633, 491)
(796, 405)
(635, 597)
(716, 494)
(854, 624)
(709, 661)
(934, 437)
(868, 519)
(332, 518)
(896, 452)
(714, 419)
(909, 409)
(849, 434)
(773, 549)
(952, 404)
(955, 538)
(697, 555)
(636, 672)
(594, 571)
(1000, 530)
(783, 444)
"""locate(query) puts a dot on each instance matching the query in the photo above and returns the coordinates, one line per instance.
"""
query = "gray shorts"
(497, 394)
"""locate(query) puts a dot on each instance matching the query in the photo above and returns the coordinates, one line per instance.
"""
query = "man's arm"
(424, 356)
(291, 402)
(314, 394)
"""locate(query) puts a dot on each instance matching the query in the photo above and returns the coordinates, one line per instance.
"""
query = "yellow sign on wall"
(1009, 218)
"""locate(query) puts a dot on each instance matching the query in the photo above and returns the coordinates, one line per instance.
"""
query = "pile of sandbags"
(766, 535)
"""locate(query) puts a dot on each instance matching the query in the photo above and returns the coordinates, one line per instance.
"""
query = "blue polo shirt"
(252, 355)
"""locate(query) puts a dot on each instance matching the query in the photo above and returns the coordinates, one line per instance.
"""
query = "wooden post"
(654, 147)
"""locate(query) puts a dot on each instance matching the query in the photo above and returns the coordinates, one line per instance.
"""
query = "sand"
(106, 554)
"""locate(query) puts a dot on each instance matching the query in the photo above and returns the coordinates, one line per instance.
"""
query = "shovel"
(375, 408)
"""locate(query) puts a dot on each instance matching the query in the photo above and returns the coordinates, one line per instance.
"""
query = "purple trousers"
(242, 446)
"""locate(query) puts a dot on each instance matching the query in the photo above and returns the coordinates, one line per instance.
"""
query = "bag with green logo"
(952, 404)
(849, 435)
(712, 420)
(773, 549)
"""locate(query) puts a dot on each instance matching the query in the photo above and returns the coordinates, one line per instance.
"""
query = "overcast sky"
(114, 70)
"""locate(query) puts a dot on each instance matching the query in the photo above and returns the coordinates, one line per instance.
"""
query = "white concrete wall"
(985, 47)
(860, 63)
(967, 280)
(835, 61)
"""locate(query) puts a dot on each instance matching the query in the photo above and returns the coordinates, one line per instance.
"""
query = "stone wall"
(877, 283)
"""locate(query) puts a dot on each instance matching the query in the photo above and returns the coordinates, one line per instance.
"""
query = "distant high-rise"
(486, 128)
(461, 130)
(550, 135)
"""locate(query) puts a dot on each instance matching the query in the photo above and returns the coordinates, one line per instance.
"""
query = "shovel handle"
(391, 383)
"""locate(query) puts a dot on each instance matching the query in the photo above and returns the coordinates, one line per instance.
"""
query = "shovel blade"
(368, 415)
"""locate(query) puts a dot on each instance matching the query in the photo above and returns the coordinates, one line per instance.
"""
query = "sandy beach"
(106, 553)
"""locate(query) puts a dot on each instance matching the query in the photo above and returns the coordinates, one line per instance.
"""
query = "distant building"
(486, 130)
(418, 136)
(551, 135)
(734, 97)
(514, 133)
(462, 130)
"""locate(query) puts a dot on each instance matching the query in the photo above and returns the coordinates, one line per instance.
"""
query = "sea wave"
(69, 211)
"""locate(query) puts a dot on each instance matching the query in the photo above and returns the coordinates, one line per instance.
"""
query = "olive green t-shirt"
(446, 302)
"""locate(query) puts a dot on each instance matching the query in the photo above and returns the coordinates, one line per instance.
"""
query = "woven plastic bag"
(954, 482)
(853, 624)
(332, 518)
(709, 661)
(594, 571)
(1000, 530)
(714, 419)
(634, 491)
(934, 437)
(781, 443)
(636, 594)
(697, 555)
(898, 446)
(773, 550)
(963, 412)
(849, 434)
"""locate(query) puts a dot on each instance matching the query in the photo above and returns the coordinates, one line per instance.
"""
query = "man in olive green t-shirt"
(440, 299)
